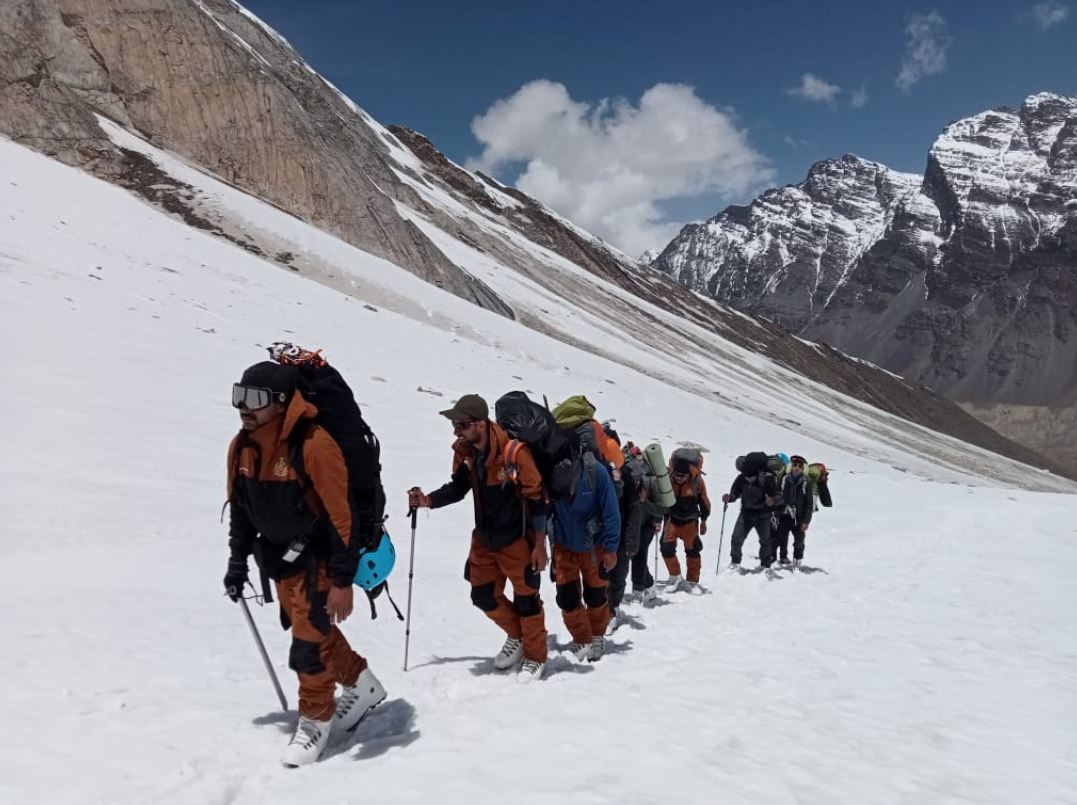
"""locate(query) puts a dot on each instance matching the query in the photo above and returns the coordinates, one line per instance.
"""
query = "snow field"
(932, 661)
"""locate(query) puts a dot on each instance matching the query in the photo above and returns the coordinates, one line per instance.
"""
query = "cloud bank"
(608, 166)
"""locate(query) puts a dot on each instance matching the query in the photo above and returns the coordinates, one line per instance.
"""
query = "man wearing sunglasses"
(509, 540)
(796, 513)
(300, 535)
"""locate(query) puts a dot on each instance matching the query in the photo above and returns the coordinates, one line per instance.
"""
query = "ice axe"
(265, 656)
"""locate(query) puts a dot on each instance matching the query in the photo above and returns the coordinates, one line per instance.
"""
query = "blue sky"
(435, 66)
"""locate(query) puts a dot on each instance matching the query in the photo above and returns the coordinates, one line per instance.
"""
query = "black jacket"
(753, 492)
(799, 503)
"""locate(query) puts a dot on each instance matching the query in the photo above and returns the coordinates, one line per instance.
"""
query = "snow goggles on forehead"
(254, 399)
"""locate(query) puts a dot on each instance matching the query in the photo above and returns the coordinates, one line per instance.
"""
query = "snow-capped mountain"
(963, 278)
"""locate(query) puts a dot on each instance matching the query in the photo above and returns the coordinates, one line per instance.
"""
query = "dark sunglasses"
(464, 425)
(254, 399)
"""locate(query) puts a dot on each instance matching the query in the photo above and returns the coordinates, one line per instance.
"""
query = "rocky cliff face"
(964, 278)
(208, 81)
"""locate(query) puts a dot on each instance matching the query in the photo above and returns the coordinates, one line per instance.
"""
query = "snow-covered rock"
(963, 279)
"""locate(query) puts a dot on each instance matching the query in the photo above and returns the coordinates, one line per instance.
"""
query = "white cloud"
(813, 88)
(925, 49)
(607, 166)
(797, 143)
(859, 97)
(1049, 13)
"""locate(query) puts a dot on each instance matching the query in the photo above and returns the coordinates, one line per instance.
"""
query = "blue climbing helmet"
(784, 458)
(376, 562)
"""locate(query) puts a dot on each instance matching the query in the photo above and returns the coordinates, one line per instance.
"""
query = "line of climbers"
(307, 501)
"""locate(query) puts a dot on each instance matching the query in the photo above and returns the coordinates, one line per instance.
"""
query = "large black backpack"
(557, 451)
(339, 414)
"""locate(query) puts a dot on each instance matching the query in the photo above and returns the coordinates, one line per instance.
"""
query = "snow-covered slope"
(929, 658)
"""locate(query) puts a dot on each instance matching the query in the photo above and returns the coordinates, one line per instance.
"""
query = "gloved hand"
(726, 498)
(417, 499)
(236, 578)
(702, 528)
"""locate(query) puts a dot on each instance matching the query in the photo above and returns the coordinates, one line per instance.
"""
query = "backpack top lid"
(690, 456)
(752, 463)
(574, 411)
(523, 418)
(776, 465)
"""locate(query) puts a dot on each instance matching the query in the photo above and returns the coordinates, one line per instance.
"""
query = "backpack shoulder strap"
(296, 439)
(511, 456)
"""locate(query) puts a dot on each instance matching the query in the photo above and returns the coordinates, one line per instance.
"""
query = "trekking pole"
(265, 656)
(413, 513)
(721, 535)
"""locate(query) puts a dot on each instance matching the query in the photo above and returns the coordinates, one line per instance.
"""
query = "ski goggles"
(254, 399)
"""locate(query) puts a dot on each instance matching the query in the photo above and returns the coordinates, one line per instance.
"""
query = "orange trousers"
(688, 533)
(320, 653)
(523, 617)
(586, 612)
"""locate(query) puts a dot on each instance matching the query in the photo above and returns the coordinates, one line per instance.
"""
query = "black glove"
(236, 578)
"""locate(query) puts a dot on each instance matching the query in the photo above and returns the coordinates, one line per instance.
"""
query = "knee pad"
(594, 596)
(527, 605)
(568, 596)
(668, 549)
(305, 657)
(693, 552)
(482, 596)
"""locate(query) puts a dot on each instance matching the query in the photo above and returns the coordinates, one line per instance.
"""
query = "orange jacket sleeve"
(704, 500)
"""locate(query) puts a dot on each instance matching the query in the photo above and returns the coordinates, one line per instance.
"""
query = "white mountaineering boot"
(598, 648)
(673, 583)
(615, 621)
(694, 588)
(648, 596)
(581, 651)
(308, 742)
(797, 564)
(530, 671)
(510, 654)
(357, 700)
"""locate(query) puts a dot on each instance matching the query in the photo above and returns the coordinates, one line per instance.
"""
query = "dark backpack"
(557, 451)
(339, 415)
(752, 464)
